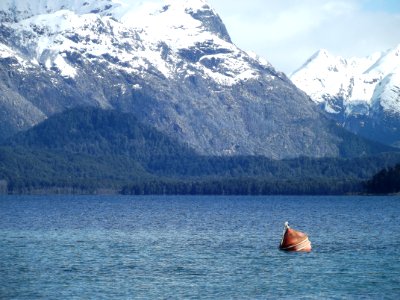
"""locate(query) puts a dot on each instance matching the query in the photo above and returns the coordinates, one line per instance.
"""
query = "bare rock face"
(172, 65)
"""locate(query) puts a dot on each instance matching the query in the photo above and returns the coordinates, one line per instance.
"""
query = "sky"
(288, 32)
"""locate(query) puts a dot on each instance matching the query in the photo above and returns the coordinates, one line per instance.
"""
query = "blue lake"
(159, 247)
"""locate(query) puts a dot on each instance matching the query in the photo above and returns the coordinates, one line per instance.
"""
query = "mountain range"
(360, 94)
(172, 64)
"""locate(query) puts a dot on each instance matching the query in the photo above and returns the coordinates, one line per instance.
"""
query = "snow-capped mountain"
(171, 63)
(362, 94)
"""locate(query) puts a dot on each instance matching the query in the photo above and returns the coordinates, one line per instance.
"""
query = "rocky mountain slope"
(362, 94)
(171, 63)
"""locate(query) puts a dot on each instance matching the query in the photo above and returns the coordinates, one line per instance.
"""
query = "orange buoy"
(293, 240)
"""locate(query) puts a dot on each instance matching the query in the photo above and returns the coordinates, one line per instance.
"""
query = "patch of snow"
(65, 69)
(6, 52)
(24, 9)
(387, 62)
(259, 59)
(387, 93)
(330, 109)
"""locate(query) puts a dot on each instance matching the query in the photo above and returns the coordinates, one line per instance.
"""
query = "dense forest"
(89, 150)
(243, 186)
(387, 181)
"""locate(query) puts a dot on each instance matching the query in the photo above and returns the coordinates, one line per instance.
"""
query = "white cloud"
(287, 32)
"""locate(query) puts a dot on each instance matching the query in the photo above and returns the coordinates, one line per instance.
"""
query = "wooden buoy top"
(293, 240)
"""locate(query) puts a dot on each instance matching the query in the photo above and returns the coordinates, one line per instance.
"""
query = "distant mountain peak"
(321, 53)
(357, 92)
(327, 76)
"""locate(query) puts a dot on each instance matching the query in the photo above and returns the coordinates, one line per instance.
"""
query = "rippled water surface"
(111, 247)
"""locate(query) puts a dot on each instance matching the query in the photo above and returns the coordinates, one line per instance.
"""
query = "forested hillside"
(92, 150)
(386, 181)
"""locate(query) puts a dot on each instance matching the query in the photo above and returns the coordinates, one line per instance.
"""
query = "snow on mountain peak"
(166, 20)
(327, 79)
(17, 10)
(130, 35)
(387, 93)
(321, 54)
(387, 62)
